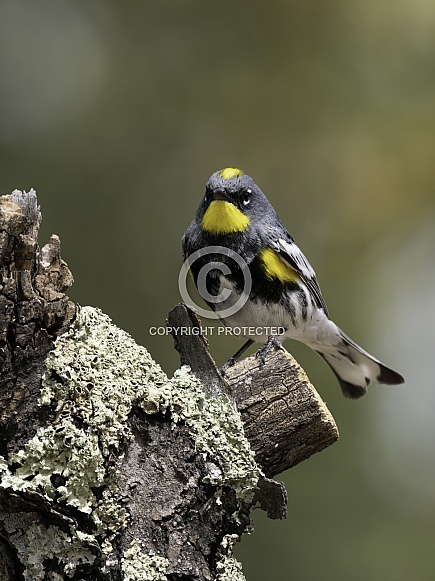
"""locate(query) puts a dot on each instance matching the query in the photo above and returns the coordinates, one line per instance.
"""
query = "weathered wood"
(192, 347)
(284, 418)
(109, 469)
(9, 569)
(33, 311)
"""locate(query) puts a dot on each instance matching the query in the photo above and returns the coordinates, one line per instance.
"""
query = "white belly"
(257, 320)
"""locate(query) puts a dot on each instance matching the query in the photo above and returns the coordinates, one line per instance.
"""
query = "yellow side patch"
(224, 218)
(275, 267)
(230, 172)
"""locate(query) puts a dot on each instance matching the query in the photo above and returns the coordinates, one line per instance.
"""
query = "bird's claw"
(231, 361)
(272, 341)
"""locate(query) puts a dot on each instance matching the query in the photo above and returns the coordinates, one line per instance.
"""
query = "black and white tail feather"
(355, 369)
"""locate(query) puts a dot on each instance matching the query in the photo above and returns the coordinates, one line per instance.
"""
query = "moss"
(94, 377)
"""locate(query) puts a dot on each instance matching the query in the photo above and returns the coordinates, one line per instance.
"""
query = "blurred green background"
(118, 112)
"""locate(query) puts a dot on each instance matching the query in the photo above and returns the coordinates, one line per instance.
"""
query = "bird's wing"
(290, 253)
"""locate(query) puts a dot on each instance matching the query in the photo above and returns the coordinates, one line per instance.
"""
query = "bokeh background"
(118, 112)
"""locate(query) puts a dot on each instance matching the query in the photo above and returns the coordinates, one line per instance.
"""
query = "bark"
(284, 418)
(109, 469)
(33, 312)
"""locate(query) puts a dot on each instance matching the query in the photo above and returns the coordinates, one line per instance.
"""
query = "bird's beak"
(220, 194)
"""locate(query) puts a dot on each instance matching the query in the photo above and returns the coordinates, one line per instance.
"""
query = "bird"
(255, 278)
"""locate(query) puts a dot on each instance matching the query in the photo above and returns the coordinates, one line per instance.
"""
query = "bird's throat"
(224, 218)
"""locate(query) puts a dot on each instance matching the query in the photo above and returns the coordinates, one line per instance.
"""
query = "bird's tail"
(355, 368)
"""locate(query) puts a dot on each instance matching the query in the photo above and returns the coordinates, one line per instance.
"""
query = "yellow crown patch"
(230, 172)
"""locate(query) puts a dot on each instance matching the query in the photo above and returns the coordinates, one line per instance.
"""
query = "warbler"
(255, 278)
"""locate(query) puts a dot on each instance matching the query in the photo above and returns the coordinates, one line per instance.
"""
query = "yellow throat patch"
(230, 172)
(275, 267)
(224, 218)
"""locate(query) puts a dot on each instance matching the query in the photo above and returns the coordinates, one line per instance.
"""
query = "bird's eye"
(246, 197)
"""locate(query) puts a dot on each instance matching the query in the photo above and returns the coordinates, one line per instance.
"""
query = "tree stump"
(109, 469)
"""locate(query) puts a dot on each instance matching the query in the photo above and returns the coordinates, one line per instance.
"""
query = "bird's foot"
(273, 341)
(231, 361)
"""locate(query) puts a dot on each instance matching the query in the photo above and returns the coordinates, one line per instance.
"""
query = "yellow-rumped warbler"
(270, 290)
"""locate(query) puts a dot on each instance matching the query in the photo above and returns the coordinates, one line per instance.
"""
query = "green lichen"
(94, 377)
(227, 567)
(139, 566)
(64, 450)
(98, 372)
(218, 431)
(49, 542)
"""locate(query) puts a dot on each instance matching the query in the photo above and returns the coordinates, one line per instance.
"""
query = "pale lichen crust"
(228, 568)
(218, 432)
(139, 566)
(35, 543)
(94, 377)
